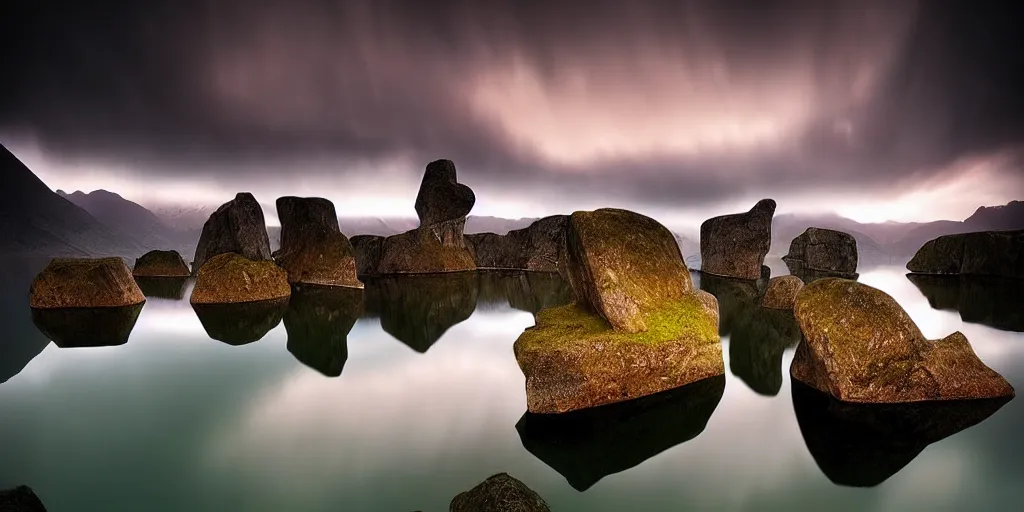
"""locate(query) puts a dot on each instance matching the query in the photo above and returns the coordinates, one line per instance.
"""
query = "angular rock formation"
(85, 283)
(20, 499)
(237, 226)
(418, 310)
(735, 245)
(860, 346)
(993, 301)
(988, 253)
(313, 249)
(87, 327)
(535, 247)
(367, 251)
(231, 278)
(318, 321)
(499, 493)
(240, 323)
(637, 326)
(161, 264)
(781, 292)
(825, 250)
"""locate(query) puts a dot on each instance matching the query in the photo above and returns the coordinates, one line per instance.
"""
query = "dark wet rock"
(522, 290)
(20, 499)
(861, 346)
(438, 248)
(313, 249)
(441, 197)
(993, 301)
(636, 327)
(85, 283)
(735, 245)
(163, 287)
(230, 278)
(87, 327)
(367, 252)
(318, 321)
(161, 264)
(418, 310)
(808, 276)
(986, 253)
(237, 226)
(499, 493)
(535, 247)
(588, 445)
(781, 292)
(243, 322)
(825, 250)
(862, 445)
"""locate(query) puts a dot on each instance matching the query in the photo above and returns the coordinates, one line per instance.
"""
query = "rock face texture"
(535, 247)
(860, 346)
(313, 249)
(825, 250)
(735, 245)
(237, 226)
(22, 499)
(85, 283)
(988, 253)
(499, 493)
(637, 325)
(231, 278)
(161, 264)
(441, 197)
(781, 292)
(367, 250)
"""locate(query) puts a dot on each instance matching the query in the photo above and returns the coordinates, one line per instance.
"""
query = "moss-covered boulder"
(735, 245)
(435, 249)
(535, 247)
(313, 249)
(367, 251)
(636, 327)
(781, 292)
(20, 499)
(987, 253)
(861, 346)
(231, 278)
(161, 264)
(499, 493)
(85, 283)
(441, 197)
(825, 250)
(237, 226)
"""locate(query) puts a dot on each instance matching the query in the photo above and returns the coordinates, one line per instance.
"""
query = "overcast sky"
(683, 110)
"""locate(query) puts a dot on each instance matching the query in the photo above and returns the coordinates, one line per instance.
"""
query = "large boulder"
(861, 346)
(237, 226)
(367, 251)
(535, 247)
(427, 250)
(85, 283)
(637, 325)
(161, 264)
(825, 250)
(499, 493)
(21, 499)
(441, 197)
(232, 278)
(313, 249)
(735, 245)
(990, 253)
(781, 292)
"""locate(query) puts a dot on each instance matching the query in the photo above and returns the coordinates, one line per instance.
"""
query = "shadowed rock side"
(22, 341)
(240, 323)
(237, 226)
(230, 278)
(85, 283)
(825, 250)
(499, 493)
(985, 253)
(636, 327)
(861, 346)
(993, 301)
(313, 249)
(418, 310)
(160, 264)
(808, 276)
(525, 291)
(535, 247)
(172, 288)
(87, 327)
(781, 292)
(735, 245)
(586, 446)
(318, 321)
(367, 251)
(20, 499)
(862, 445)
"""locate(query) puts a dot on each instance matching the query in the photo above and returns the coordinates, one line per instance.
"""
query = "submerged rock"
(367, 251)
(988, 253)
(535, 247)
(825, 250)
(20, 499)
(860, 346)
(318, 321)
(499, 493)
(441, 197)
(993, 301)
(85, 283)
(87, 327)
(237, 226)
(240, 323)
(161, 264)
(231, 278)
(735, 245)
(637, 326)
(781, 292)
(418, 310)
(313, 249)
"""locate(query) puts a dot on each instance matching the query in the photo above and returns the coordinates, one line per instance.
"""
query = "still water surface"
(428, 406)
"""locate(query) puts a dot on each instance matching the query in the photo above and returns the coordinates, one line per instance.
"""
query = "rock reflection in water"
(589, 444)
(162, 287)
(809, 275)
(318, 321)
(240, 323)
(522, 290)
(418, 309)
(87, 327)
(862, 445)
(993, 301)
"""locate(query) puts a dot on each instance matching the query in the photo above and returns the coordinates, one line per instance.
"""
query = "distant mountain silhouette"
(1000, 218)
(126, 217)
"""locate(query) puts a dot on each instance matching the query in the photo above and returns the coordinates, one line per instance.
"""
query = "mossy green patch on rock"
(232, 278)
(85, 283)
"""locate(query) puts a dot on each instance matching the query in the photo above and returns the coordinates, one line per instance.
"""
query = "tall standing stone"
(313, 249)
(735, 245)
(237, 226)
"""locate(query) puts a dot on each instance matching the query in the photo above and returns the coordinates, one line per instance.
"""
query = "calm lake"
(429, 402)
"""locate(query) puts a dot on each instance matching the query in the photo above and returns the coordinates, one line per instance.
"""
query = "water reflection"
(418, 309)
(992, 301)
(862, 445)
(318, 321)
(240, 323)
(525, 291)
(163, 287)
(87, 327)
(21, 341)
(587, 445)
(809, 275)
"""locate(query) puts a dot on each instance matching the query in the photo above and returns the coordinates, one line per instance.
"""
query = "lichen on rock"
(232, 278)
(85, 283)
(499, 493)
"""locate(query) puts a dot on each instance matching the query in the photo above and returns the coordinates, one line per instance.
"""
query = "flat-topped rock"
(825, 250)
(237, 226)
(161, 264)
(232, 278)
(313, 249)
(441, 197)
(85, 283)
(499, 493)
(735, 245)
(781, 292)
(535, 247)
(988, 253)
